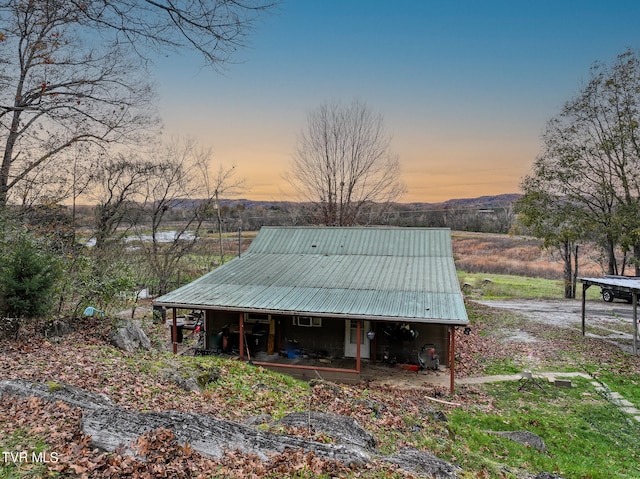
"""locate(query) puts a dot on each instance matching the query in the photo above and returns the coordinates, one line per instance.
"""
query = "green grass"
(502, 286)
(22, 455)
(586, 436)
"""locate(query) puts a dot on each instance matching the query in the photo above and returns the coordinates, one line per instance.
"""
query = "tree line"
(585, 184)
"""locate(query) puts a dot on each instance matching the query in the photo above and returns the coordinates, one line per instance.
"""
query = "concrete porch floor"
(376, 373)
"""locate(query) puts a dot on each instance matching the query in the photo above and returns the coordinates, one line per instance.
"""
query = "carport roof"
(399, 274)
(623, 283)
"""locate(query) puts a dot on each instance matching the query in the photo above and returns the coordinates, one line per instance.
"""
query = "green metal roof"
(400, 274)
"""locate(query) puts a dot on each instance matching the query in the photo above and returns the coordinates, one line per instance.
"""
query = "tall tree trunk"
(612, 266)
(575, 272)
(636, 258)
(567, 270)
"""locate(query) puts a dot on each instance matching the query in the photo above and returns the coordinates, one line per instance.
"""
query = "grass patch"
(25, 456)
(503, 286)
(503, 366)
(570, 421)
(626, 384)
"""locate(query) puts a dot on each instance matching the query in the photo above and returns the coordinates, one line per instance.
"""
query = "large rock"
(523, 437)
(342, 429)
(54, 391)
(111, 427)
(423, 464)
(129, 337)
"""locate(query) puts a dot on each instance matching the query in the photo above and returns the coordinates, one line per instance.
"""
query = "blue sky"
(465, 87)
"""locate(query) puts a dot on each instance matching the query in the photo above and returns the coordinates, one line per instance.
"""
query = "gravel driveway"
(609, 321)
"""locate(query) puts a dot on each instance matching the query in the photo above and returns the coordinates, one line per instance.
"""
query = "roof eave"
(450, 322)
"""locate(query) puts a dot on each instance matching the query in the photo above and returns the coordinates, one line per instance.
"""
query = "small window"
(253, 318)
(307, 321)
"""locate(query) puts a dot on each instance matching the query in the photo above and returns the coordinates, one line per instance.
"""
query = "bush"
(28, 278)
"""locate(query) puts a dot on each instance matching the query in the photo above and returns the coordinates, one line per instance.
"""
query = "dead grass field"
(513, 255)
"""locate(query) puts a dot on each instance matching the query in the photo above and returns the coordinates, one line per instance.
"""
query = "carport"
(617, 284)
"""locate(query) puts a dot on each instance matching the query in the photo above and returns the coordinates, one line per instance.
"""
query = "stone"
(342, 429)
(424, 464)
(563, 383)
(523, 437)
(130, 337)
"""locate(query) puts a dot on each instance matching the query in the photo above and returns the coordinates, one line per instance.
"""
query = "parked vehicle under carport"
(609, 295)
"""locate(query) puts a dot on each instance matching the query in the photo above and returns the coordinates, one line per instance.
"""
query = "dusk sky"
(465, 87)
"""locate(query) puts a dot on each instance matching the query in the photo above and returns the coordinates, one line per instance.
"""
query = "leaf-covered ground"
(396, 417)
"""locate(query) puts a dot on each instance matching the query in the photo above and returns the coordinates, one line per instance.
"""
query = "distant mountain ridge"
(495, 201)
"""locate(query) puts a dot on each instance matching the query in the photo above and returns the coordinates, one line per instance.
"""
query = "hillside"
(495, 201)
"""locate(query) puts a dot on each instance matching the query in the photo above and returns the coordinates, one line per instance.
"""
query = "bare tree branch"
(343, 164)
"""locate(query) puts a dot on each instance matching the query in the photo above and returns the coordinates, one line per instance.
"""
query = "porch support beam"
(174, 331)
(358, 340)
(452, 356)
(241, 322)
(310, 368)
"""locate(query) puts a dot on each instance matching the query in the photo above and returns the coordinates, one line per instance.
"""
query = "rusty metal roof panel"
(373, 273)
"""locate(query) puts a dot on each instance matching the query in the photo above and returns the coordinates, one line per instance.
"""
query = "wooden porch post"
(241, 336)
(374, 352)
(452, 356)
(358, 333)
(174, 331)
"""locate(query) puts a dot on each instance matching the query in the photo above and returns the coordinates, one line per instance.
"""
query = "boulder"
(54, 391)
(192, 378)
(523, 437)
(423, 464)
(342, 429)
(129, 337)
(114, 428)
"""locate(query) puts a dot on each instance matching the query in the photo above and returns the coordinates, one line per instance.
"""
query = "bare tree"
(591, 159)
(59, 88)
(177, 188)
(118, 184)
(344, 166)
(65, 76)
(223, 184)
(214, 28)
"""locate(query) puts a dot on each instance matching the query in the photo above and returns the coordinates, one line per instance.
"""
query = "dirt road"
(609, 321)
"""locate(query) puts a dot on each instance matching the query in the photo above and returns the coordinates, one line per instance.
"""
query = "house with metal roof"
(310, 299)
